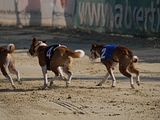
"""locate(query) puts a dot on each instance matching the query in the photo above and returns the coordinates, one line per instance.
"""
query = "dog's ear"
(34, 40)
(94, 45)
(44, 41)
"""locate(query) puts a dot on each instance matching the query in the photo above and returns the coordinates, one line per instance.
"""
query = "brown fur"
(61, 60)
(121, 55)
(7, 61)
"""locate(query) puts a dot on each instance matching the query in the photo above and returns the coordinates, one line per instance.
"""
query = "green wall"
(137, 17)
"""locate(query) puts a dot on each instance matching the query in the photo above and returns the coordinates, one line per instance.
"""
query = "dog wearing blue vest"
(56, 58)
(110, 56)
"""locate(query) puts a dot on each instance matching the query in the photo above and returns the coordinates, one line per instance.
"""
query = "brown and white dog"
(57, 58)
(110, 56)
(7, 61)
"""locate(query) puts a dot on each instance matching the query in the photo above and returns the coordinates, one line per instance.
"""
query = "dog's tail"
(135, 59)
(10, 48)
(76, 53)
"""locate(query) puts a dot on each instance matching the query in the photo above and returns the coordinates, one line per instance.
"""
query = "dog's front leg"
(103, 80)
(113, 78)
(138, 80)
(44, 71)
(131, 82)
(19, 78)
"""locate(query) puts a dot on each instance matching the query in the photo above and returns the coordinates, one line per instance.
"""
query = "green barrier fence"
(136, 17)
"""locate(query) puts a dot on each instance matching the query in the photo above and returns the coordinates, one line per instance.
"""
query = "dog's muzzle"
(31, 52)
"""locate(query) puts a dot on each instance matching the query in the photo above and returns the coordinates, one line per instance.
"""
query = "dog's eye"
(91, 50)
(34, 46)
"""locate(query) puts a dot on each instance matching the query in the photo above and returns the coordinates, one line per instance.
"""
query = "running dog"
(57, 58)
(7, 61)
(110, 56)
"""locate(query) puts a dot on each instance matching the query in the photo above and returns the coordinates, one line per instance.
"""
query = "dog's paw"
(51, 84)
(20, 82)
(138, 83)
(132, 86)
(14, 87)
(99, 84)
(67, 84)
(44, 87)
(64, 78)
(113, 86)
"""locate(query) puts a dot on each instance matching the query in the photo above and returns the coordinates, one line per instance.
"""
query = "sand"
(82, 100)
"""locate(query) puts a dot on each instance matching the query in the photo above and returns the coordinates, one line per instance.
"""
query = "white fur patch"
(40, 44)
(82, 53)
(9, 46)
(135, 57)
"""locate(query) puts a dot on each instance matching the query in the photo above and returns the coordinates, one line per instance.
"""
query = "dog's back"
(122, 51)
(5, 52)
(10, 48)
(63, 54)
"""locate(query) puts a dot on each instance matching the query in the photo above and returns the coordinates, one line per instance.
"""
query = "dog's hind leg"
(44, 71)
(103, 80)
(113, 77)
(123, 70)
(69, 78)
(13, 70)
(61, 72)
(66, 69)
(124, 63)
(132, 69)
(4, 72)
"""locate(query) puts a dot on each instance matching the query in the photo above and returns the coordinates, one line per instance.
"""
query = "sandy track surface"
(83, 100)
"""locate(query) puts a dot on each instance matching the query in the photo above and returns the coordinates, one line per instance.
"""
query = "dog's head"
(35, 45)
(95, 51)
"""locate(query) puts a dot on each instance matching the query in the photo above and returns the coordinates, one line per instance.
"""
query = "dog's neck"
(39, 44)
(99, 49)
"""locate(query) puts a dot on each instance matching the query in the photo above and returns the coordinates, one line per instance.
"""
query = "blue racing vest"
(48, 54)
(107, 52)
